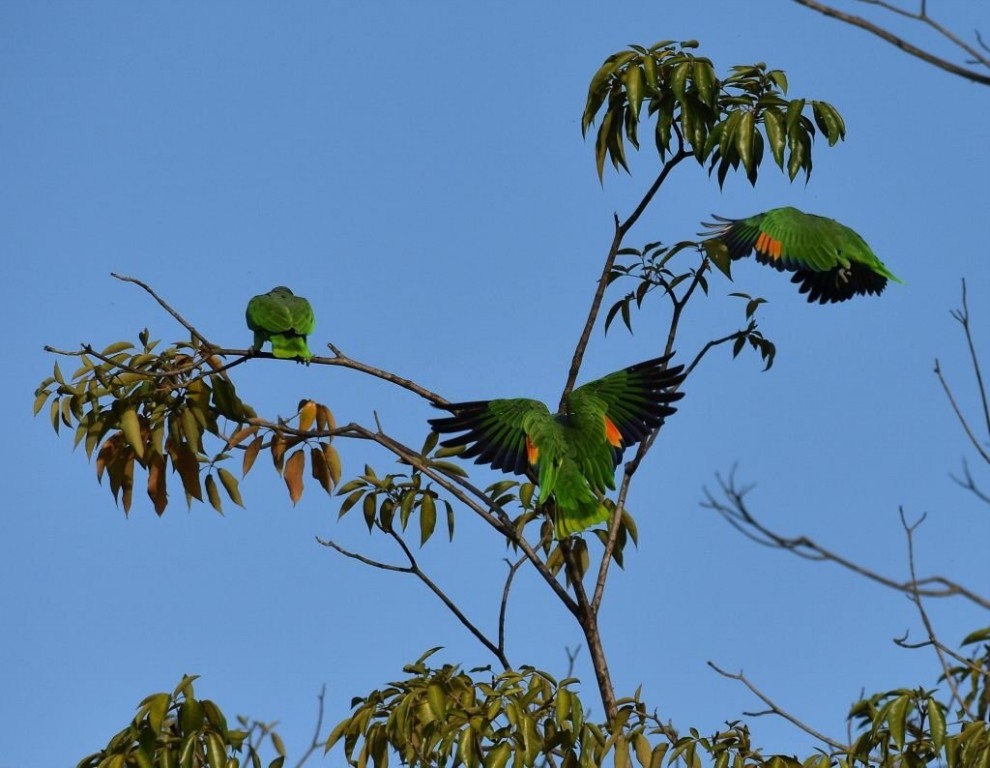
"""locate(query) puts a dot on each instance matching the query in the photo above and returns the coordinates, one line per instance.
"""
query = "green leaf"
(703, 76)
(499, 756)
(936, 720)
(369, 508)
(632, 79)
(230, 485)
(897, 719)
(773, 122)
(131, 427)
(427, 518)
(436, 698)
(745, 139)
(779, 79)
(216, 750)
(678, 79)
(829, 121)
(978, 636)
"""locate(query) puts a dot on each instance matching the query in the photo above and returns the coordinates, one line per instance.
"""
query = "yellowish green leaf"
(293, 475)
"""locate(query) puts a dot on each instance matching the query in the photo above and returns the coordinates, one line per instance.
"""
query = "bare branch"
(774, 709)
(909, 530)
(513, 567)
(962, 316)
(645, 446)
(735, 511)
(362, 559)
(923, 17)
(899, 42)
(164, 304)
(970, 484)
(959, 414)
(414, 569)
(342, 360)
(317, 743)
(497, 650)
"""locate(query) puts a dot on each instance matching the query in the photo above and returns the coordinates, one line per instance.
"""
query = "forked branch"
(735, 511)
(884, 34)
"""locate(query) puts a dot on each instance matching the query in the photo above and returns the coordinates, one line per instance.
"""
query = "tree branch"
(645, 445)
(414, 569)
(962, 316)
(915, 596)
(620, 232)
(776, 710)
(904, 45)
(342, 360)
(182, 321)
(734, 510)
(460, 488)
(513, 567)
(317, 743)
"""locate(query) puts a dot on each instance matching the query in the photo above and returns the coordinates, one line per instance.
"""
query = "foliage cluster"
(141, 406)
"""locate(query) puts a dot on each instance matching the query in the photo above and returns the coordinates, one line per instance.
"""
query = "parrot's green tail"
(579, 517)
(289, 347)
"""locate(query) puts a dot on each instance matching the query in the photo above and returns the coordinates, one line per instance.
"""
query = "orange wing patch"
(612, 433)
(767, 246)
(532, 452)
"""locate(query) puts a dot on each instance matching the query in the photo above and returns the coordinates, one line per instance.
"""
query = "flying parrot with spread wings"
(830, 262)
(574, 452)
(283, 319)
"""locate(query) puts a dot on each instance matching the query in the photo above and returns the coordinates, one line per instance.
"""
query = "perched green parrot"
(284, 320)
(574, 452)
(830, 261)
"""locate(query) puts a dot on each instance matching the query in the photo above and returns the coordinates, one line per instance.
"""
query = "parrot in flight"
(830, 262)
(283, 319)
(574, 452)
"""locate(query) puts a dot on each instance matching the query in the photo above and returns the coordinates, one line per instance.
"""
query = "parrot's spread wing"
(635, 400)
(839, 284)
(831, 262)
(494, 431)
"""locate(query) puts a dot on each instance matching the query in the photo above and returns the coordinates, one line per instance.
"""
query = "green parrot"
(830, 262)
(284, 320)
(574, 452)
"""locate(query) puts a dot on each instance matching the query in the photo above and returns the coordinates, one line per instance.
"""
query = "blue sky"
(418, 172)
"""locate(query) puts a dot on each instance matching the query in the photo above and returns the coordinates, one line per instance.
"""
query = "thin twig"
(342, 360)
(909, 530)
(620, 232)
(317, 742)
(182, 321)
(962, 316)
(644, 447)
(362, 559)
(708, 347)
(899, 42)
(959, 414)
(776, 710)
(923, 17)
(513, 567)
(497, 650)
(970, 484)
(414, 569)
(736, 513)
